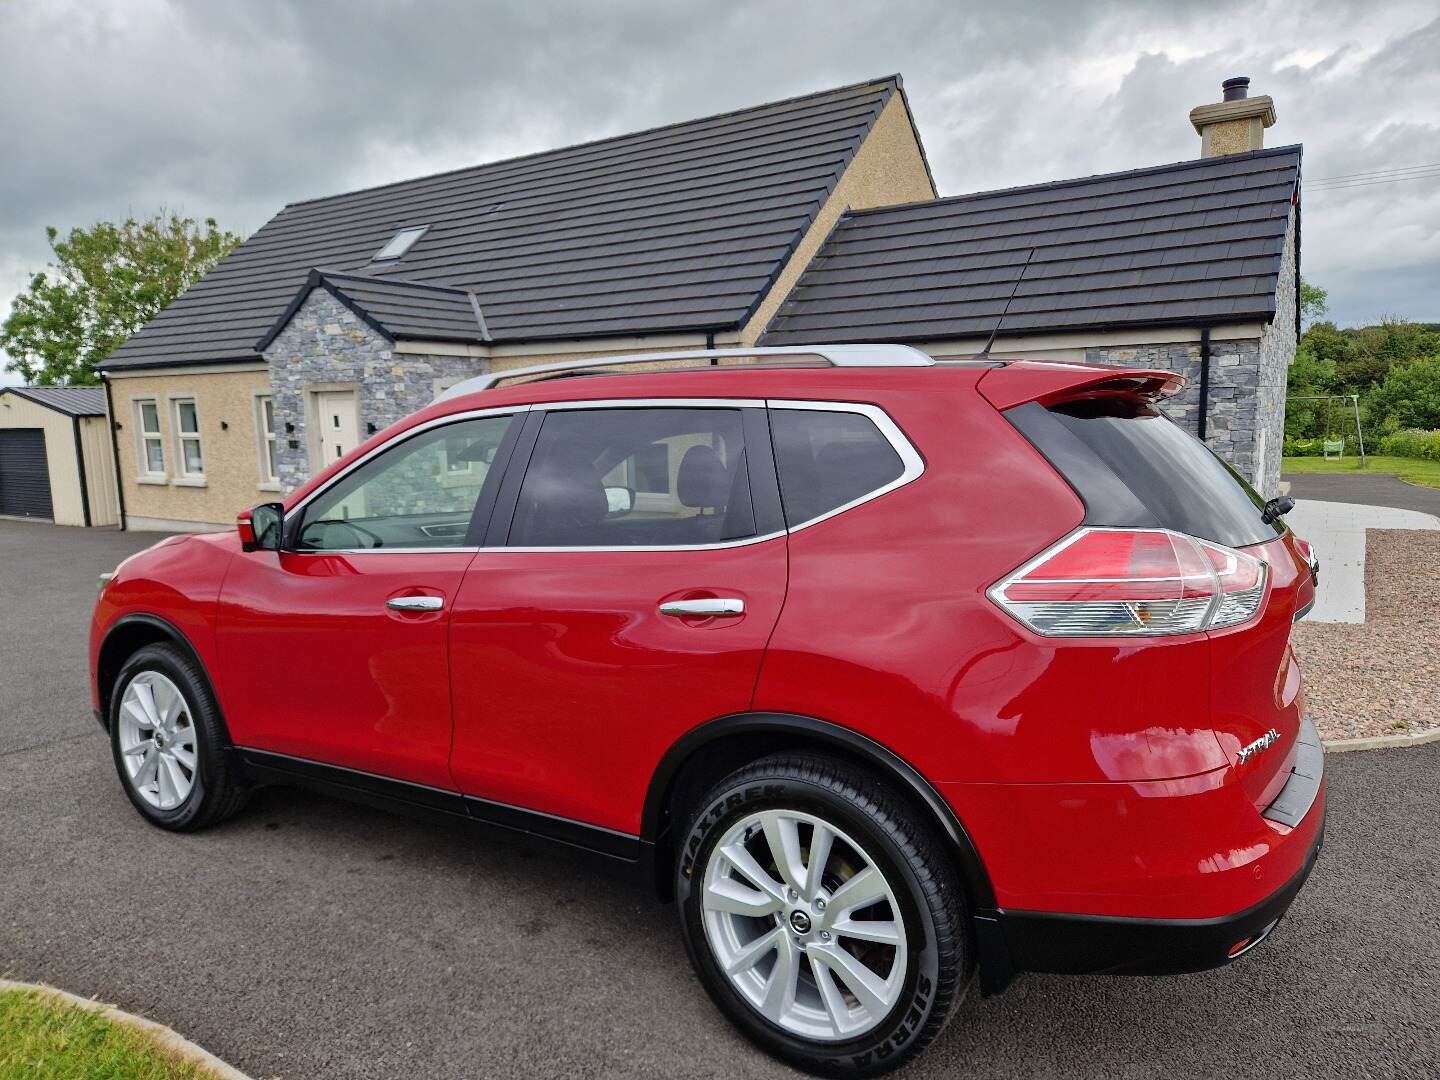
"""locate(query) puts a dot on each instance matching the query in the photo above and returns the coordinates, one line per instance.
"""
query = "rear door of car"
(633, 572)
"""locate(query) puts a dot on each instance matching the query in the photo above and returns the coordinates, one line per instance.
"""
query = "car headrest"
(566, 497)
(703, 480)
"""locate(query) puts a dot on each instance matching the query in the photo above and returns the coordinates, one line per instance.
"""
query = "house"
(810, 218)
(55, 455)
(1191, 267)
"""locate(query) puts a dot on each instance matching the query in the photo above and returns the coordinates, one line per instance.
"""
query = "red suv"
(884, 669)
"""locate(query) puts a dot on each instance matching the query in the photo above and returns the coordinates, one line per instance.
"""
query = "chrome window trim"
(651, 547)
(913, 465)
(388, 551)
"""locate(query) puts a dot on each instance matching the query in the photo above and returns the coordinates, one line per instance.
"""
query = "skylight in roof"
(400, 243)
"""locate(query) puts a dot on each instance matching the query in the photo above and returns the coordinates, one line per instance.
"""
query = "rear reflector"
(1129, 582)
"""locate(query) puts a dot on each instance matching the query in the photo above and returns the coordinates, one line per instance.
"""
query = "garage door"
(24, 474)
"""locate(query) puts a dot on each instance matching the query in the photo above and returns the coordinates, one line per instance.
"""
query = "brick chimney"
(1235, 125)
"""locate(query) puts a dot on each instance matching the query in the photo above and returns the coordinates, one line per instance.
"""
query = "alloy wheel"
(157, 740)
(804, 925)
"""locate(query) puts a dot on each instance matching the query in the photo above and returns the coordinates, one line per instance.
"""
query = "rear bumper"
(1201, 911)
(1014, 941)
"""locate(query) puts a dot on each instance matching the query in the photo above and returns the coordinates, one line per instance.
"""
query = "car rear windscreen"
(1133, 467)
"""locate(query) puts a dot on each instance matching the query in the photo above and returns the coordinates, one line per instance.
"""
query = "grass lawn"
(42, 1038)
(1415, 470)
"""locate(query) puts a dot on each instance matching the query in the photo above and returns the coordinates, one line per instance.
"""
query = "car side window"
(645, 477)
(828, 459)
(419, 494)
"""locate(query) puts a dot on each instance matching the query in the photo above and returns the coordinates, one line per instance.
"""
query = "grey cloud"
(233, 109)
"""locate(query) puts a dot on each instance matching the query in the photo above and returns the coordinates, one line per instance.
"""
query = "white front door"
(339, 420)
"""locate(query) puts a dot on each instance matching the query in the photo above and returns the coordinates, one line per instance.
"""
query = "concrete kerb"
(163, 1037)
(1382, 742)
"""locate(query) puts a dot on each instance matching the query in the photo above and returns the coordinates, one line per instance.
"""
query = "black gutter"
(114, 449)
(1204, 417)
(80, 462)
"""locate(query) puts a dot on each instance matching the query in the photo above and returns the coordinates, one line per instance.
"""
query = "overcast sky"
(230, 110)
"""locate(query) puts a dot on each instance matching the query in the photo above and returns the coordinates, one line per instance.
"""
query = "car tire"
(789, 800)
(169, 742)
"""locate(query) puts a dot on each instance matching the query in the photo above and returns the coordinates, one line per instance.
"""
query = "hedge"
(1412, 443)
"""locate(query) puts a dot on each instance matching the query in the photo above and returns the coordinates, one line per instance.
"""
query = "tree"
(1409, 397)
(105, 283)
(1314, 302)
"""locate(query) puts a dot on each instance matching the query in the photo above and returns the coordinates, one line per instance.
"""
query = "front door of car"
(334, 649)
(630, 581)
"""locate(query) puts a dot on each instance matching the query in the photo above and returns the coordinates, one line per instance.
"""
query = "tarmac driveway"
(310, 938)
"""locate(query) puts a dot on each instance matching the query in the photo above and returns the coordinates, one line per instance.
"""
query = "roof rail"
(836, 355)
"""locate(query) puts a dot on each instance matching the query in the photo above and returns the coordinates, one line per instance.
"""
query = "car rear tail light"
(1128, 582)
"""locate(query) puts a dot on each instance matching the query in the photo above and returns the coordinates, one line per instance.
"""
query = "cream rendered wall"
(18, 412)
(225, 406)
(574, 350)
(889, 168)
(99, 470)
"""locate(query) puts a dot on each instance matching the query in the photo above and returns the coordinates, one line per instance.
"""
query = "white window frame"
(143, 435)
(265, 438)
(183, 477)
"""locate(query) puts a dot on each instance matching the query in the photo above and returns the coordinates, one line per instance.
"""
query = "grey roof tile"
(619, 236)
(70, 400)
(1190, 242)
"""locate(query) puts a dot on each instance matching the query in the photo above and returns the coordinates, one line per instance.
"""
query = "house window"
(151, 446)
(269, 444)
(190, 459)
(400, 243)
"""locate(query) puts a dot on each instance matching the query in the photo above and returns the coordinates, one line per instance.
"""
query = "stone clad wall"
(1234, 410)
(1245, 424)
(326, 345)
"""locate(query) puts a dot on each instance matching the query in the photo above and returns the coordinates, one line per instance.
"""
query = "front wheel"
(169, 742)
(822, 915)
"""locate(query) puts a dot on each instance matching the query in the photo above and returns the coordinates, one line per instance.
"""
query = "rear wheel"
(169, 743)
(821, 915)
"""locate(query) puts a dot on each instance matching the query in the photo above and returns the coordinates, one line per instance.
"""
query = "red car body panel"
(365, 687)
(1094, 776)
(178, 580)
(568, 651)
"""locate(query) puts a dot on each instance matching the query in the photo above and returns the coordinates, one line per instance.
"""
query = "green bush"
(1409, 397)
(1413, 443)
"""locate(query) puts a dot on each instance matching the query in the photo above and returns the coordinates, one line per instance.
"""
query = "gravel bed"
(1382, 677)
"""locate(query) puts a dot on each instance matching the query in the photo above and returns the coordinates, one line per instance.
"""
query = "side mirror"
(260, 527)
(619, 500)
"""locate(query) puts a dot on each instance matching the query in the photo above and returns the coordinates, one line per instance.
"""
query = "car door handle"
(415, 603)
(716, 606)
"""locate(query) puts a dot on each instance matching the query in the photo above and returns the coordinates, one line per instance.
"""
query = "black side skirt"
(450, 807)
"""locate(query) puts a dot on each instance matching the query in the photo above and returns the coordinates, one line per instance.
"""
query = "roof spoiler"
(1052, 384)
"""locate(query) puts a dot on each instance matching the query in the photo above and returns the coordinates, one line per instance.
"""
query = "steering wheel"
(363, 533)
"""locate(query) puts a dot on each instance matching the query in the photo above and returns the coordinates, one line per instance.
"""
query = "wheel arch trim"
(822, 732)
(170, 632)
